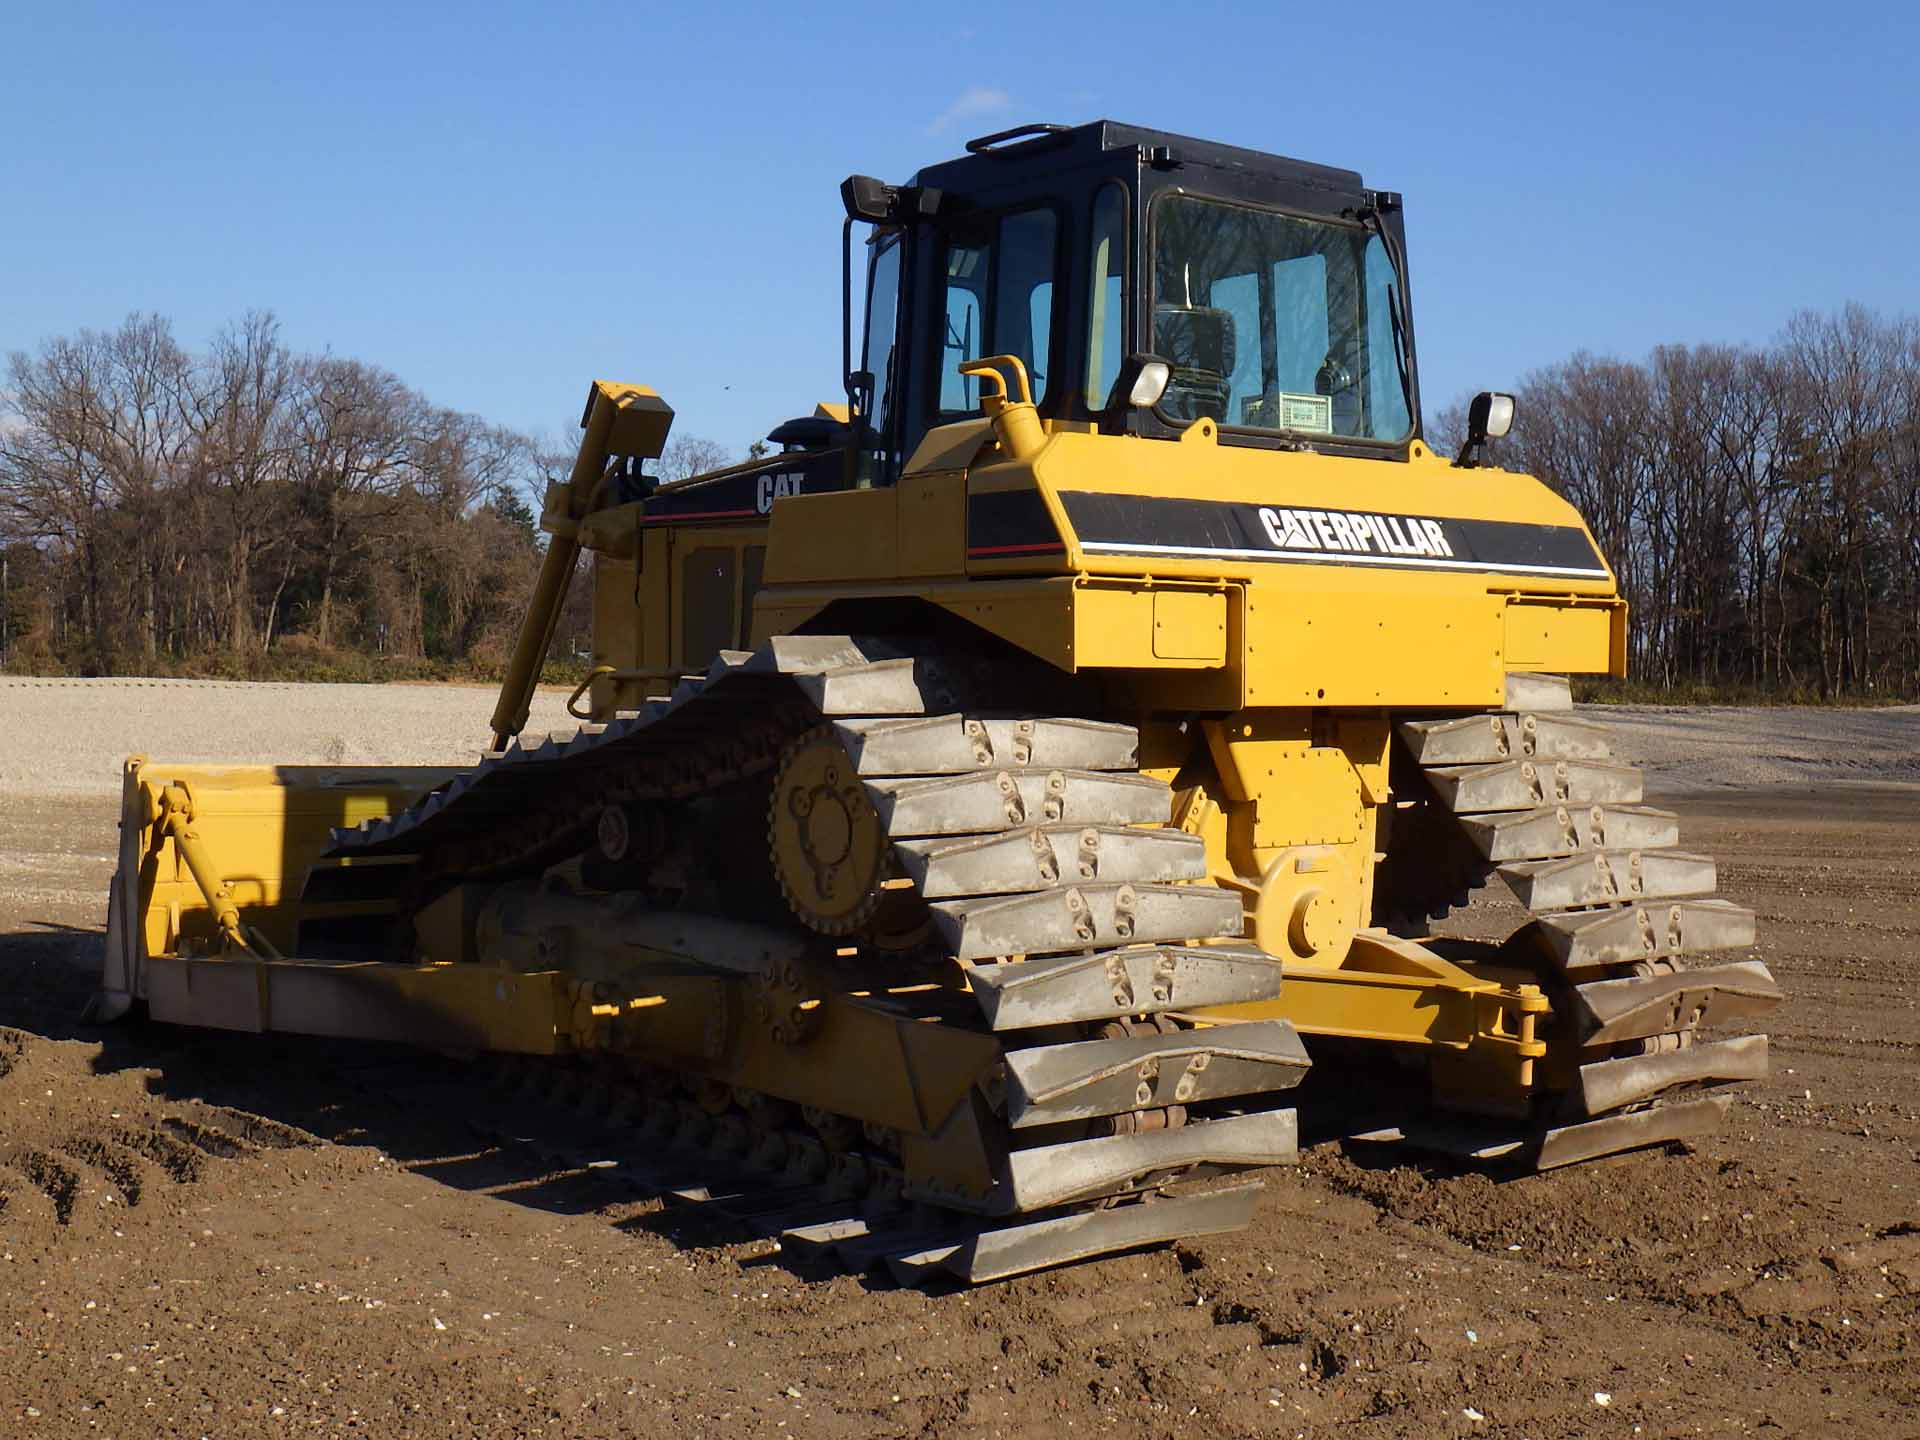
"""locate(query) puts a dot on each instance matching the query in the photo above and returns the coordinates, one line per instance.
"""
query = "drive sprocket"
(828, 844)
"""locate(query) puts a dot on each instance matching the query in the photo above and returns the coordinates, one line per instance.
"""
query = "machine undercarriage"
(836, 916)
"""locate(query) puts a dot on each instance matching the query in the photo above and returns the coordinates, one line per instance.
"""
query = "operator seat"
(1198, 342)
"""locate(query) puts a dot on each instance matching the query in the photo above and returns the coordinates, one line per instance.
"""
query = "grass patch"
(303, 662)
(1599, 690)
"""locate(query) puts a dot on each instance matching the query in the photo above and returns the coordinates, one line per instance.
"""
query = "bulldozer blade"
(958, 744)
(1527, 691)
(1569, 829)
(1084, 1079)
(1025, 994)
(1586, 939)
(1503, 735)
(1074, 916)
(113, 997)
(1660, 1125)
(1047, 855)
(1529, 784)
(1606, 877)
(1608, 1011)
(260, 828)
(1610, 1084)
(1016, 1249)
(1008, 799)
(1047, 1175)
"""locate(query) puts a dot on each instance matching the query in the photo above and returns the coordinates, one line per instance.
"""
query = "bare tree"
(167, 506)
(247, 429)
(692, 456)
(1760, 506)
(98, 427)
(353, 440)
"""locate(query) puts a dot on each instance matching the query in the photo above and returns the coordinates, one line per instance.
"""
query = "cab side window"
(883, 301)
(966, 325)
(1000, 301)
(1106, 294)
(1023, 293)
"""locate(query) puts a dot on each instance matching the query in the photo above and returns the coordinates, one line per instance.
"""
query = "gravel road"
(68, 737)
(1720, 747)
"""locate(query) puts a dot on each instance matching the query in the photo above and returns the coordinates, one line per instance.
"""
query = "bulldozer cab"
(1145, 281)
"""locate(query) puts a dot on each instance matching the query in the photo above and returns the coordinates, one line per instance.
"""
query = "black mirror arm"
(846, 314)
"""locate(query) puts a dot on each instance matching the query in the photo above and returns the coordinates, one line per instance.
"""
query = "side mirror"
(868, 199)
(1141, 382)
(1489, 417)
(879, 203)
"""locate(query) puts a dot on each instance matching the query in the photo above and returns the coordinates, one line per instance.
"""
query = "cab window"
(966, 325)
(1278, 322)
(1106, 293)
(883, 296)
(1000, 301)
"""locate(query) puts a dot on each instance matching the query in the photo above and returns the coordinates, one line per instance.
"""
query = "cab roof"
(1039, 148)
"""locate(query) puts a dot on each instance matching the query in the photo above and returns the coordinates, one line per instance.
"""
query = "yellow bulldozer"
(986, 802)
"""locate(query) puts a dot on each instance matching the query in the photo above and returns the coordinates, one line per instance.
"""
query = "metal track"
(574, 1119)
(1017, 832)
(1538, 800)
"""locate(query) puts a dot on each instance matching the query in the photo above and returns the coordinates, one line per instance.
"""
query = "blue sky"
(500, 202)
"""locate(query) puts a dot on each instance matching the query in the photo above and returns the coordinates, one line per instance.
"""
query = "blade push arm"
(619, 420)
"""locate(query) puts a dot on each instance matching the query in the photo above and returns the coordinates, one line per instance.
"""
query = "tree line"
(1761, 506)
(245, 506)
(238, 508)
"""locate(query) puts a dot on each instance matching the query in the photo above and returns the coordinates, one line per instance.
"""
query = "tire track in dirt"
(179, 1162)
(57, 1181)
(73, 1166)
(119, 1166)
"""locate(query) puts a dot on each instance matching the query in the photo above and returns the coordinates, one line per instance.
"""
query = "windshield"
(1273, 322)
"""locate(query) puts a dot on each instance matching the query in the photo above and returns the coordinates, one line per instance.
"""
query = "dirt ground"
(208, 1235)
